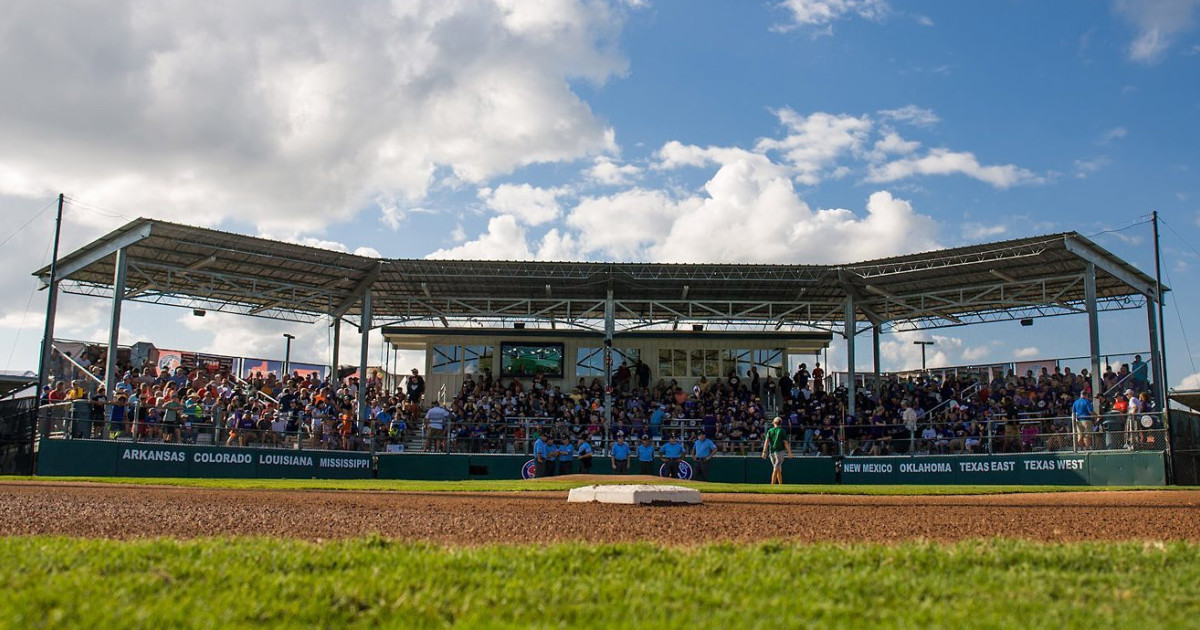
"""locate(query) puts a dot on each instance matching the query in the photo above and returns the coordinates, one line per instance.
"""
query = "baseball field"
(238, 553)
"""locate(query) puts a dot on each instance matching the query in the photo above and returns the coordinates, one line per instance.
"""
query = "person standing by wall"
(1082, 411)
(620, 455)
(774, 446)
(672, 455)
(702, 453)
(541, 456)
(645, 455)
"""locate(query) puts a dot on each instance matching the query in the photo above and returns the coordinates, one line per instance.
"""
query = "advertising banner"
(263, 367)
(168, 360)
(129, 459)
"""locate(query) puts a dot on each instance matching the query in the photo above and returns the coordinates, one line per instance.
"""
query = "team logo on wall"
(529, 470)
(685, 471)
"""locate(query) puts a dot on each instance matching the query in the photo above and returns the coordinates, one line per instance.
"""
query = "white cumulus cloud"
(823, 12)
(294, 114)
(1158, 24)
(941, 161)
(529, 204)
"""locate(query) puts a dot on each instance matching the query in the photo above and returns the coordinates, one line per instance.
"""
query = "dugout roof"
(200, 268)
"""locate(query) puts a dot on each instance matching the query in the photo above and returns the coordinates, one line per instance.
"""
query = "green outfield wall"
(128, 459)
(1052, 469)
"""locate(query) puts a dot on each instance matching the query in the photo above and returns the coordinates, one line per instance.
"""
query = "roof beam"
(96, 252)
(1090, 254)
(852, 290)
(202, 263)
(266, 307)
(357, 292)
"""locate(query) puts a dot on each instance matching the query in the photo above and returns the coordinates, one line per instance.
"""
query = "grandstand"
(588, 350)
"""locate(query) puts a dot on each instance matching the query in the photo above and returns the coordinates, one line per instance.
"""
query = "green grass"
(218, 583)
(506, 485)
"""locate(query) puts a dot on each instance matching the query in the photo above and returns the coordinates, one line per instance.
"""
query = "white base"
(635, 495)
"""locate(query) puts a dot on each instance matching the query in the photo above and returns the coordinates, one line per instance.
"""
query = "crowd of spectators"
(916, 414)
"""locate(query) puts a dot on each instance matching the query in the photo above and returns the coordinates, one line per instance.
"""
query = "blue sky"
(807, 130)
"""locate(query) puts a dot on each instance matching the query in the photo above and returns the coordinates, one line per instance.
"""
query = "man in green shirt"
(774, 446)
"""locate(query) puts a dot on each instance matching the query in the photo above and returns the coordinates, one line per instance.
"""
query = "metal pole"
(609, 330)
(1155, 360)
(1089, 296)
(287, 355)
(365, 329)
(51, 305)
(923, 345)
(1162, 330)
(877, 387)
(851, 330)
(337, 345)
(114, 329)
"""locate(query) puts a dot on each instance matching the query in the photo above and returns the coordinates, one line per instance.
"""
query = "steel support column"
(851, 330)
(1155, 371)
(51, 306)
(114, 326)
(334, 360)
(365, 329)
(876, 386)
(610, 326)
(1089, 296)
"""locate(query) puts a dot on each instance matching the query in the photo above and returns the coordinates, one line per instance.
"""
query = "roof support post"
(851, 331)
(1155, 368)
(1089, 296)
(114, 326)
(51, 307)
(877, 385)
(364, 349)
(334, 363)
(610, 325)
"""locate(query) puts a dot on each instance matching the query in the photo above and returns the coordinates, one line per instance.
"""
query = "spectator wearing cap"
(1134, 409)
(620, 455)
(645, 455)
(702, 453)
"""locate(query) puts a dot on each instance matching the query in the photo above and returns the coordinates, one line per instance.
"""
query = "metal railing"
(85, 420)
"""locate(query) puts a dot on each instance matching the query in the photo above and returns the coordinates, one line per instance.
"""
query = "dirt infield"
(114, 511)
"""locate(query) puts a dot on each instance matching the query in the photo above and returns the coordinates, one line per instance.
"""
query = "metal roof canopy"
(213, 270)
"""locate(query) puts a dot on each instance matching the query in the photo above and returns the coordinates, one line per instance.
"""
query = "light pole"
(287, 356)
(923, 344)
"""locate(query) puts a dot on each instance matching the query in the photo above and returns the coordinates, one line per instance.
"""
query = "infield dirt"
(115, 511)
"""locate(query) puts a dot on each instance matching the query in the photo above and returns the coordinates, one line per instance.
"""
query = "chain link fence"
(1185, 448)
(18, 429)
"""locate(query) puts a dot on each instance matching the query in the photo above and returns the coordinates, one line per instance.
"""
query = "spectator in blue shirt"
(645, 455)
(584, 453)
(702, 453)
(620, 455)
(1083, 412)
(656, 419)
(672, 455)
